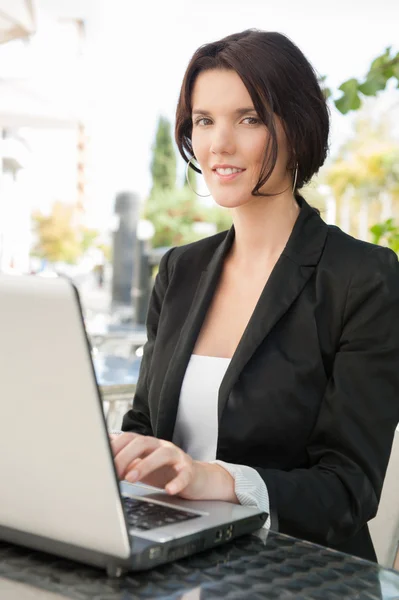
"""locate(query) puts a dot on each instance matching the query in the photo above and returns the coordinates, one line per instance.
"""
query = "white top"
(196, 427)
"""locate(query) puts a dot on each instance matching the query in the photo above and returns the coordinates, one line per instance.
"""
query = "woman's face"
(228, 134)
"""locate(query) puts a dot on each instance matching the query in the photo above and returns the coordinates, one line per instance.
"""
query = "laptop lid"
(56, 468)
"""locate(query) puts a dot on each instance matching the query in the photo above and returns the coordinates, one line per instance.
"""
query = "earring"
(295, 178)
(189, 184)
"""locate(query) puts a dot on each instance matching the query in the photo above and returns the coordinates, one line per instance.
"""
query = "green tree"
(163, 163)
(381, 70)
(386, 234)
(60, 235)
(173, 214)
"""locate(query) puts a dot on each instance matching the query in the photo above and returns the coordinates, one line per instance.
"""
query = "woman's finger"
(164, 455)
(133, 464)
(139, 447)
(180, 482)
(118, 442)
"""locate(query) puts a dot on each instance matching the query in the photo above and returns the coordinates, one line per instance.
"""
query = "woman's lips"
(230, 177)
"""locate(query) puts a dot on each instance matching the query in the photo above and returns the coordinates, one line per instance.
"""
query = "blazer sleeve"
(349, 448)
(137, 419)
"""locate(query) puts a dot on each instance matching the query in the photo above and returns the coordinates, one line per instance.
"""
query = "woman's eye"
(252, 120)
(204, 121)
(201, 121)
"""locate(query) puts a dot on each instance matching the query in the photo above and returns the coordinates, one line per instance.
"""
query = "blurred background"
(91, 184)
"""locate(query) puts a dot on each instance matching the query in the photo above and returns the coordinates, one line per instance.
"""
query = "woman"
(270, 376)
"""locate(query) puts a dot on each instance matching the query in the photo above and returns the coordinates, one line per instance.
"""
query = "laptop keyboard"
(144, 515)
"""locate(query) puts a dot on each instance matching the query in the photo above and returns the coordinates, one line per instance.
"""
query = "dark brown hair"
(280, 81)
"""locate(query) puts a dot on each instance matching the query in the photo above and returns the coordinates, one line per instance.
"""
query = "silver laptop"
(58, 486)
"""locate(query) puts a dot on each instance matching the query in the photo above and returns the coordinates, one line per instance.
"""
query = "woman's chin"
(229, 200)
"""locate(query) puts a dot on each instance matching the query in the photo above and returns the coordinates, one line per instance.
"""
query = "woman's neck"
(262, 229)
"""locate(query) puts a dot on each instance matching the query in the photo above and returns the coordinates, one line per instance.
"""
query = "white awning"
(17, 19)
(24, 105)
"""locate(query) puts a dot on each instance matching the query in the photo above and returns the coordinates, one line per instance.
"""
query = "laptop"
(59, 490)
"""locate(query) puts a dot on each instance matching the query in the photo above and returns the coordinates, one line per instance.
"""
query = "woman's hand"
(164, 465)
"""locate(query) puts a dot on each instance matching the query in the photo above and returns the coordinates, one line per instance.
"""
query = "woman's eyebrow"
(238, 111)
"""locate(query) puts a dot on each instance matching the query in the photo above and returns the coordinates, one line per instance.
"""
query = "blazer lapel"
(293, 269)
(170, 392)
(288, 278)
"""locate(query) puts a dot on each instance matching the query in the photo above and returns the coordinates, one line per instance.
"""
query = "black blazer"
(311, 396)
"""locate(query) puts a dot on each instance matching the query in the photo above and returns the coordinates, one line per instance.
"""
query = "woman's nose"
(222, 141)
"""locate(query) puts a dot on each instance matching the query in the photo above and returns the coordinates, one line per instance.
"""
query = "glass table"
(262, 565)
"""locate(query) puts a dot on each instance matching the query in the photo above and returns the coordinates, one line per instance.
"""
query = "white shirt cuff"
(249, 487)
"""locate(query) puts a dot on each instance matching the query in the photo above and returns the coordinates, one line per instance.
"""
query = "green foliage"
(174, 214)
(221, 217)
(326, 90)
(163, 164)
(60, 236)
(106, 249)
(364, 176)
(386, 234)
(88, 238)
(369, 161)
(381, 70)
(350, 99)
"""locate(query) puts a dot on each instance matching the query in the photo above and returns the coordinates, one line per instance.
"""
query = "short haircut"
(281, 82)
